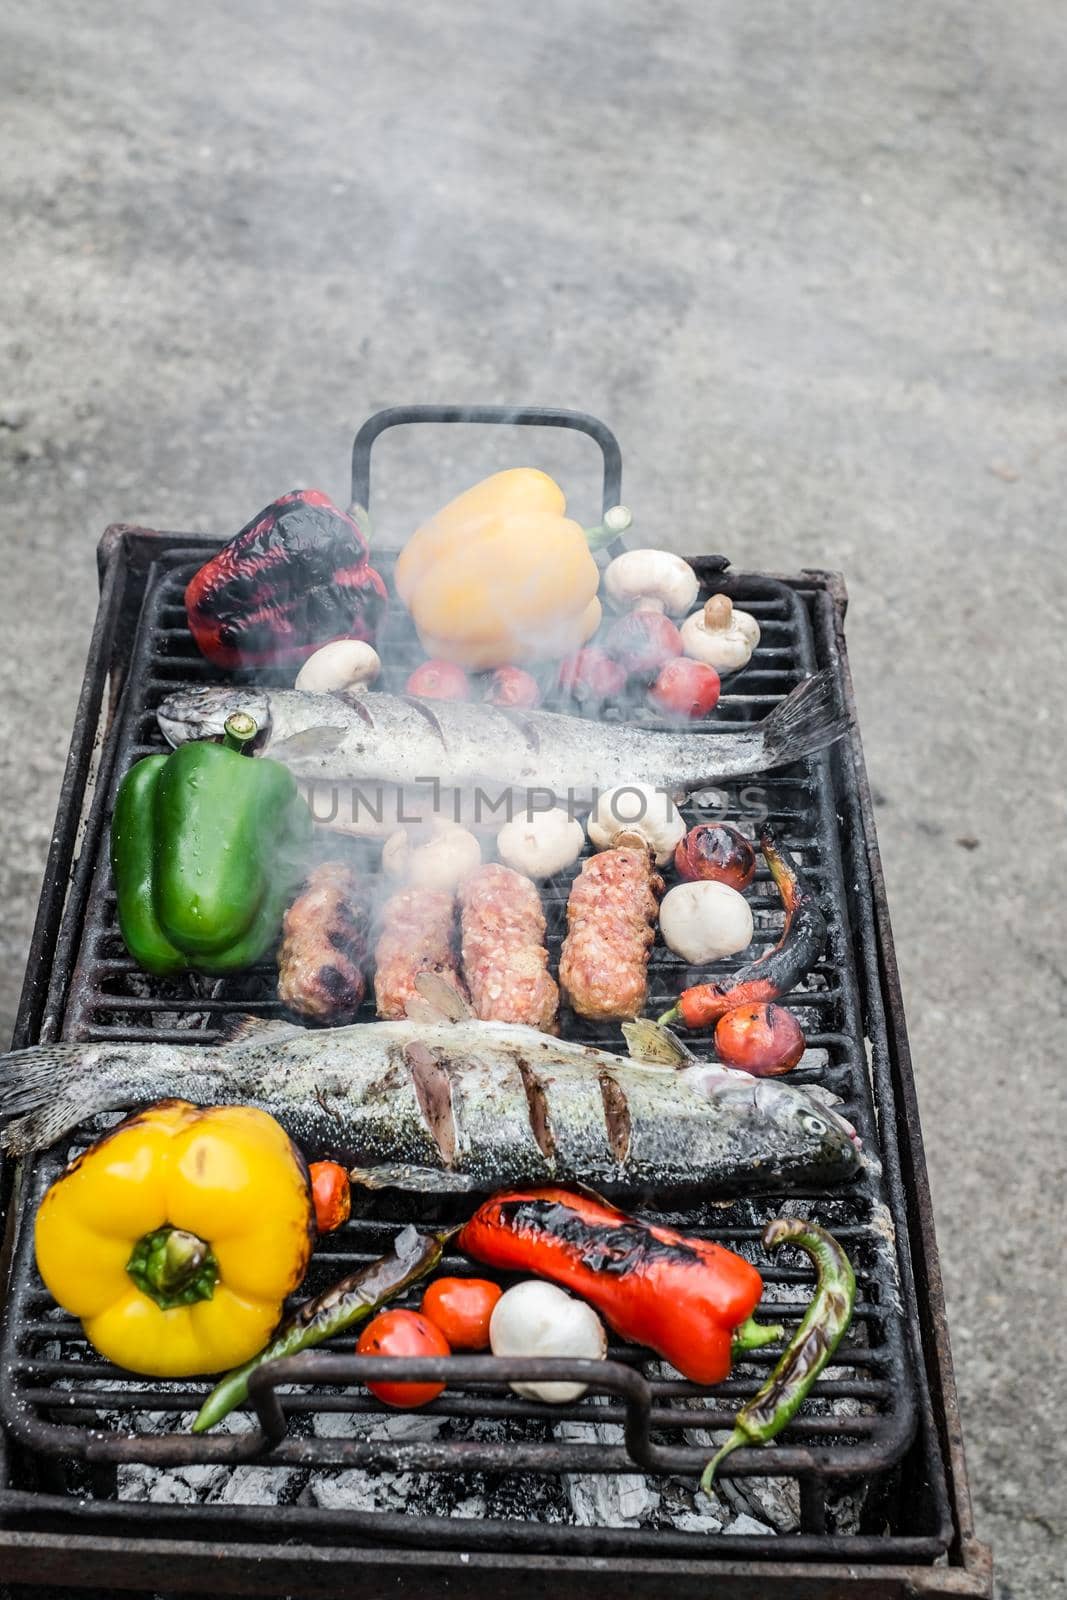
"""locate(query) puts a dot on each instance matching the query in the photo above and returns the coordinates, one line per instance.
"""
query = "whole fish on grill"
(356, 738)
(452, 1106)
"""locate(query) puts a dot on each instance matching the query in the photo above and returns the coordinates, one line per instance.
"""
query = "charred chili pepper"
(775, 972)
(688, 1299)
(295, 577)
(349, 1302)
(820, 1332)
(206, 850)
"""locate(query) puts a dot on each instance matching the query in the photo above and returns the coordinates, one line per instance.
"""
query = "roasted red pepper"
(775, 972)
(297, 576)
(683, 1297)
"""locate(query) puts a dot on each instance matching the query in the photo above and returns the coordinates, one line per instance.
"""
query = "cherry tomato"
(685, 688)
(403, 1333)
(439, 680)
(511, 686)
(642, 641)
(590, 677)
(332, 1194)
(765, 1040)
(461, 1308)
(715, 850)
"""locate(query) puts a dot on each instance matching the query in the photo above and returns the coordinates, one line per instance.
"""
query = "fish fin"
(417, 1180)
(419, 1010)
(804, 723)
(447, 1004)
(321, 740)
(47, 1090)
(656, 1046)
(245, 1030)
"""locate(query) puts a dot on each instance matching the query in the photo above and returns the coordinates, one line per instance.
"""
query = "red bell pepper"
(295, 577)
(685, 1298)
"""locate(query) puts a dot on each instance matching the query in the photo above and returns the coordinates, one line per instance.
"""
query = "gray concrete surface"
(808, 259)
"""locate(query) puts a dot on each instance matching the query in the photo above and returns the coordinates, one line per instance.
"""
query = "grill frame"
(126, 559)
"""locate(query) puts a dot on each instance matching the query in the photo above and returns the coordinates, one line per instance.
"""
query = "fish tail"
(47, 1090)
(804, 723)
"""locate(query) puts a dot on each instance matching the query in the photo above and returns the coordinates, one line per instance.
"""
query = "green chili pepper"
(206, 851)
(343, 1306)
(820, 1332)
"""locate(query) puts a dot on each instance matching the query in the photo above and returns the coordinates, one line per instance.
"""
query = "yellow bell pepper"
(501, 575)
(177, 1236)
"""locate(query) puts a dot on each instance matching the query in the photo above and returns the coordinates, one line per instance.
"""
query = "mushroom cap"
(637, 808)
(705, 920)
(655, 575)
(538, 1319)
(542, 843)
(728, 648)
(437, 857)
(341, 664)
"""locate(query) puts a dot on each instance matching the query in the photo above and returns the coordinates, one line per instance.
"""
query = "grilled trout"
(451, 1107)
(337, 739)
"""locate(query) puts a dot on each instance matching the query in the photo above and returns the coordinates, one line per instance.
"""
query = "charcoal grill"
(882, 1431)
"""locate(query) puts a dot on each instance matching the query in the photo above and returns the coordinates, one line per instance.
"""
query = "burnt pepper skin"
(681, 1296)
(295, 577)
(207, 848)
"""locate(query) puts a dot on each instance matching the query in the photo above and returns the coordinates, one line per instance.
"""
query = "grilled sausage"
(505, 962)
(417, 935)
(611, 918)
(322, 962)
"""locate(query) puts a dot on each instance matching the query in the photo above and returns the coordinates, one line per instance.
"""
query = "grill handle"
(512, 416)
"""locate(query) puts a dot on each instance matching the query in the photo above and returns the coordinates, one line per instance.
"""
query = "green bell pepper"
(207, 849)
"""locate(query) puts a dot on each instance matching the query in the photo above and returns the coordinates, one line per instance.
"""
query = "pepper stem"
(753, 1335)
(238, 732)
(670, 1017)
(615, 523)
(173, 1267)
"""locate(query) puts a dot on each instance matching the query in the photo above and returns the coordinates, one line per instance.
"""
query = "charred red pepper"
(688, 1299)
(295, 577)
(775, 972)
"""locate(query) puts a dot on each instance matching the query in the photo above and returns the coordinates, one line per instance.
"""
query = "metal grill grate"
(867, 1439)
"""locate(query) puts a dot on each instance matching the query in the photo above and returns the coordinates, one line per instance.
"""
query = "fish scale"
(456, 1106)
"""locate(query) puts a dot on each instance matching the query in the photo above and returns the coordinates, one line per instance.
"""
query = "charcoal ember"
(605, 1500)
(747, 1525)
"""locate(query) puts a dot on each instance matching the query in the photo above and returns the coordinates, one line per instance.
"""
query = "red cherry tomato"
(332, 1194)
(642, 641)
(685, 688)
(461, 1308)
(511, 686)
(765, 1040)
(718, 852)
(403, 1333)
(590, 677)
(439, 680)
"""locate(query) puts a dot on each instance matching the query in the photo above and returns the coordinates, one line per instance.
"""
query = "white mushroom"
(541, 843)
(341, 664)
(704, 921)
(720, 636)
(537, 1319)
(637, 809)
(651, 580)
(433, 857)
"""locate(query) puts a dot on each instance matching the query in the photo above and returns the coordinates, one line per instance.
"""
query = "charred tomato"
(642, 642)
(591, 678)
(439, 680)
(765, 1040)
(511, 686)
(403, 1333)
(718, 852)
(685, 688)
(332, 1194)
(461, 1308)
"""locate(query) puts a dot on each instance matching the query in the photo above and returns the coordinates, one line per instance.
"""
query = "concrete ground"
(808, 259)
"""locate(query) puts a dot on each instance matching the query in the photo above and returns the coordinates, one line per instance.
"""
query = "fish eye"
(812, 1124)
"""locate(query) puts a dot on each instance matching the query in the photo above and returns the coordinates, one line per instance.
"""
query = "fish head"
(201, 713)
(799, 1130)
